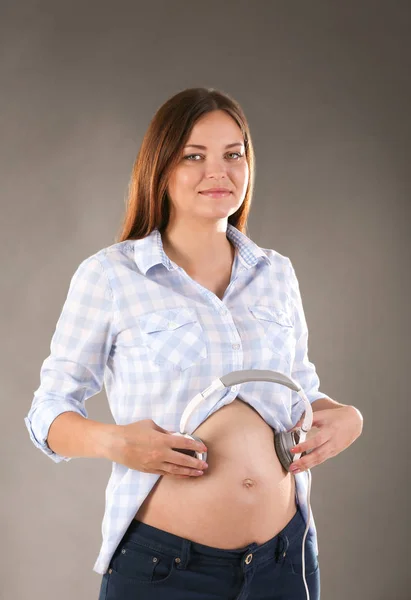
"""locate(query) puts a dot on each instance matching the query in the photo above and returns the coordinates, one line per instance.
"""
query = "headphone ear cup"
(283, 442)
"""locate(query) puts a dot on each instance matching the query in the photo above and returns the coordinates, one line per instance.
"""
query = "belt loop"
(184, 556)
(282, 547)
(278, 547)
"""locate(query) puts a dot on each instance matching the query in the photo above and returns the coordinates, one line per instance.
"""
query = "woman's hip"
(158, 564)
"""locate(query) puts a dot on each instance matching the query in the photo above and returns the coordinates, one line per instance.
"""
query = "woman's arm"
(74, 436)
(74, 369)
(323, 403)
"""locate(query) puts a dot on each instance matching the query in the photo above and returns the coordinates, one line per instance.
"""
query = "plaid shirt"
(135, 322)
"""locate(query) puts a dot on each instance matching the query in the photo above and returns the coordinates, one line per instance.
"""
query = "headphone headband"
(244, 376)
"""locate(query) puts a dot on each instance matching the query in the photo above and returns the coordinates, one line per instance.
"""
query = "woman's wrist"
(109, 441)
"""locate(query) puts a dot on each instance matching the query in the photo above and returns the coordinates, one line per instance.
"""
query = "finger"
(184, 460)
(316, 457)
(185, 445)
(177, 470)
(311, 443)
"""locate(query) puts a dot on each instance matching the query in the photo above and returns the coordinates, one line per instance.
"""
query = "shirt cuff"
(39, 423)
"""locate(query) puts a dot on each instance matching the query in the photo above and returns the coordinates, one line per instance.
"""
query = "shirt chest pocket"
(277, 330)
(173, 337)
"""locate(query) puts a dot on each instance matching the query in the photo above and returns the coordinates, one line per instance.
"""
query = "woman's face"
(218, 164)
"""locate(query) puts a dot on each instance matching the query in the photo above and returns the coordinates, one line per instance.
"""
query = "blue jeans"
(152, 564)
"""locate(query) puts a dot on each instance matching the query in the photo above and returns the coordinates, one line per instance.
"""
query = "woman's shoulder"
(114, 253)
(276, 258)
(107, 260)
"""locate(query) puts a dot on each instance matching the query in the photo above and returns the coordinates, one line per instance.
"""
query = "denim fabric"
(152, 564)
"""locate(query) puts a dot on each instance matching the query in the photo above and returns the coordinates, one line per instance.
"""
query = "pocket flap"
(271, 313)
(167, 319)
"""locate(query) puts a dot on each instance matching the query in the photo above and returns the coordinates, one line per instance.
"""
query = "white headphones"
(283, 441)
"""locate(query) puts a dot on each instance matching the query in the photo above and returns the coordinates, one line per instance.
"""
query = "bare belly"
(244, 496)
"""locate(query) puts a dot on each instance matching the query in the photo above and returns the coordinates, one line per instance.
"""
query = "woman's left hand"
(338, 429)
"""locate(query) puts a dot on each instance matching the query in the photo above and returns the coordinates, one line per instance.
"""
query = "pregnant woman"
(185, 297)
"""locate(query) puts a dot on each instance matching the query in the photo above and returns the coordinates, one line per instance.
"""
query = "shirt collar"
(148, 251)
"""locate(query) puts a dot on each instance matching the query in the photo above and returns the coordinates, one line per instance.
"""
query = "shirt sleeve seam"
(289, 288)
(110, 287)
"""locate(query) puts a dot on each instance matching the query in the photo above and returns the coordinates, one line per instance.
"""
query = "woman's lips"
(216, 194)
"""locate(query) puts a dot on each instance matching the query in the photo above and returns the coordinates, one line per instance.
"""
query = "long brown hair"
(148, 203)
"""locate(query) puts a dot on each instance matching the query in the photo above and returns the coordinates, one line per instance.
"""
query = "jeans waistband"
(158, 539)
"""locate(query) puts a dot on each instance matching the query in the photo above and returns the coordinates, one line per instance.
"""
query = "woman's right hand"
(147, 447)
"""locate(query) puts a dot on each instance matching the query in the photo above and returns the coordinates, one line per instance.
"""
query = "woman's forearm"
(74, 436)
(325, 403)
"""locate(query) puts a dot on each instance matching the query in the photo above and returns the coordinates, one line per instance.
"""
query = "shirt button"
(235, 346)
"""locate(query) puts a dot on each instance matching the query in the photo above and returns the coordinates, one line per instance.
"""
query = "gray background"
(326, 89)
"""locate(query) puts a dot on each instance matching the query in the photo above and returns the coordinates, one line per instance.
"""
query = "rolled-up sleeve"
(80, 346)
(303, 371)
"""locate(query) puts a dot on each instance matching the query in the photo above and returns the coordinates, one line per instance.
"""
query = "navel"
(248, 483)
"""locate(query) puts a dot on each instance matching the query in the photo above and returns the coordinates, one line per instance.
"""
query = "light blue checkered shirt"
(134, 321)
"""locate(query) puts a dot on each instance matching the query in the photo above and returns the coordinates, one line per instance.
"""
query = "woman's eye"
(191, 155)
